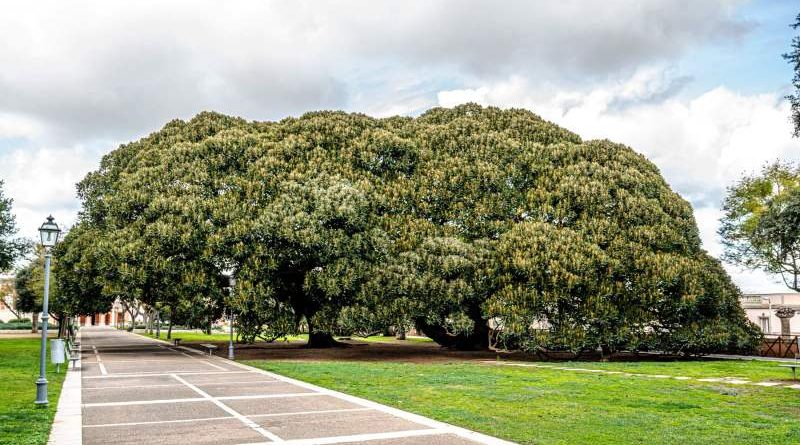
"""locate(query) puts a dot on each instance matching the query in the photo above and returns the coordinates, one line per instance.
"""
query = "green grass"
(747, 369)
(544, 406)
(21, 422)
(392, 339)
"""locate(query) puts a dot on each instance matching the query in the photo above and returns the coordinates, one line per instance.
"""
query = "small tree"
(11, 249)
(793, 57)
(760, 226)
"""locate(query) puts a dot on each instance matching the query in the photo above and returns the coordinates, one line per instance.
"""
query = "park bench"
(72, 357)
(209, 347)
(176, 341)
(794, 369)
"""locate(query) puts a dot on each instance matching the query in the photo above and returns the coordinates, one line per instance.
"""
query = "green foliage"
(456, 221)
(793, 58)
(759, 228)
(11, 249)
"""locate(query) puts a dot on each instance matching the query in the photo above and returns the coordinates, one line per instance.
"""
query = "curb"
(67, 426)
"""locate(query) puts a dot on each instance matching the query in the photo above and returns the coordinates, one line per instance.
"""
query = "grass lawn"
(545, 406)
(392, 339)
(21, 422)
(747, 369)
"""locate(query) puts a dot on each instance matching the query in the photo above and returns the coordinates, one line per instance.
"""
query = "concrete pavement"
(137, 390)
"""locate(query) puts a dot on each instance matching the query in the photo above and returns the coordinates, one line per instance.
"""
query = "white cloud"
(115, 69)
(80, 77)
(41, 181)
(701, 144)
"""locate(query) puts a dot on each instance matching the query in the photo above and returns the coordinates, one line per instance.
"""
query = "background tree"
(760, 225)
(793, 57)
(29, 282)
(11, 249)
(78, 274)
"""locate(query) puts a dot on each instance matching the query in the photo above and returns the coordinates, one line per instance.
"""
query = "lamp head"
(49, 232)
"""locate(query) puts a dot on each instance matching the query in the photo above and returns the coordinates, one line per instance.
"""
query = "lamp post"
(48, 232)
(231, 285)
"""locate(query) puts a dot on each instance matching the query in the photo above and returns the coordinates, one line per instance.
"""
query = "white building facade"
(760, 309)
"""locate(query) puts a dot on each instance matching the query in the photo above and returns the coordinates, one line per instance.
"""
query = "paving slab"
(435, 439)
(284, 405)
(109, 415)
(219, 432)
(145, 367)
(138, 393)
(118, 382)
(336, 424)
(253, 389)
(240, 376)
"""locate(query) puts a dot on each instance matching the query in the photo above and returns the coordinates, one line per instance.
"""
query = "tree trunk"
(169, 329)
(8, 306)
(476, 340)
(34, 323)
(400, 333)
(605, 353)
(61, 326)
(320, 339)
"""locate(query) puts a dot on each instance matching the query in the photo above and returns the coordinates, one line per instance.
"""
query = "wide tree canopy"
(479, 226)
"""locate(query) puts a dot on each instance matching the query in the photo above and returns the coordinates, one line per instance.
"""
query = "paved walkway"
(136, 390)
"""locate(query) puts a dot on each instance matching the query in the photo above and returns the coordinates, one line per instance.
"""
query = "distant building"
(8, 298)
(760, 309)
(117, 316)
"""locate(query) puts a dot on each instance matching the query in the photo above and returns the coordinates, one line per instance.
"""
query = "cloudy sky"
(697, 87)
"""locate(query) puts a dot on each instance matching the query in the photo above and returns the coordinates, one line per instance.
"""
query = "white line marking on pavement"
(205, 362)
(132, 386)
(225, 383)
(156, 422)
(195, 399)
(300, 413)
(99, 361)
(144, 402)
(163, 373)
(271, 396)
(361, 437)
(237, 382)
(254, 426)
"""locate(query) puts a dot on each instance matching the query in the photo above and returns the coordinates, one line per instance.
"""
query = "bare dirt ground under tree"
(400, 351)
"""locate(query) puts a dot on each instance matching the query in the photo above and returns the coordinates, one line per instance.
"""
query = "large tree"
(458, 220)
(761, 225)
